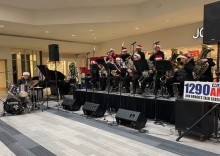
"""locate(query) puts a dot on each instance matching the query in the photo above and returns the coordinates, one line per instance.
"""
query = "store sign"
(194, 53)
(202, 91)
(199, 33)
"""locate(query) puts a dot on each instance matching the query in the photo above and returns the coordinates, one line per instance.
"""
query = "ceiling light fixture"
(136, 28)
(46, 32)
(73, 35)
(2, 26)
(90, 30)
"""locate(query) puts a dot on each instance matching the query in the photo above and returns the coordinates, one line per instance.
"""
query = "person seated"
(182, 73)
(147, 79)
(207, 76)
(136, 74)
(116, 75)
(24, 79)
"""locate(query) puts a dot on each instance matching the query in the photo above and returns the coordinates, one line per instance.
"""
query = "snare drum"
(12, 89)
(23, 90)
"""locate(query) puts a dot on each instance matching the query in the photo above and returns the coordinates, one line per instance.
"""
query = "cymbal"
(32, 83)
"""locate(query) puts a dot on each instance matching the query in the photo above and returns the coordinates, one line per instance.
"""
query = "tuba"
(200, 66)
(174, 54)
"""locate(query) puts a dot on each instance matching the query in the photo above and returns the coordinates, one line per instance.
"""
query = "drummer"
(25, 79)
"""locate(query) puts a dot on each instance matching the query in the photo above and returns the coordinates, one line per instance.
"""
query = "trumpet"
(145, 74)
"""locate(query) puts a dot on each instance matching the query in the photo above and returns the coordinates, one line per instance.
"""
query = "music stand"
(45, 71)
(161, 67)
(142, 65)
(100, 60)
(109, 66)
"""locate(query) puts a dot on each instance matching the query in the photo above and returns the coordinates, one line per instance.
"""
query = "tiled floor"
(62, 132)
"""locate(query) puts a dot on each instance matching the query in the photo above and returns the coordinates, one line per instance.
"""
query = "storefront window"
(23, 60)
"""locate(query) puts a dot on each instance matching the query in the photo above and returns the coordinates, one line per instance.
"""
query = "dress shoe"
(170, 96)
(140, 91)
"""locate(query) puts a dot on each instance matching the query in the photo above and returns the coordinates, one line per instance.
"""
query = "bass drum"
(13, 106)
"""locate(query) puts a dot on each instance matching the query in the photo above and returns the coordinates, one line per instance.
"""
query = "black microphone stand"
(57, 89)
(161, 66)
(133, 67)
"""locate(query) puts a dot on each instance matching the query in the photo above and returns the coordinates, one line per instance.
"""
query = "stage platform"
(152, 107)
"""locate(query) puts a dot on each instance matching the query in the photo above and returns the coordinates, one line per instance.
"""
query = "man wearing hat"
(25, 78)
(157, 55)
(207, 76)
(111, 55)
(133, 75)
(138, 51)
(183, 73)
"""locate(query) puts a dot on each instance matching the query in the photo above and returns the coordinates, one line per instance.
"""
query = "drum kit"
(24, 97)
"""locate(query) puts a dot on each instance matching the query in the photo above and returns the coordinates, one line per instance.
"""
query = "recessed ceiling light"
(46, 32)
(2, 26)
(136, 28)
(73, 35)
(90, 30)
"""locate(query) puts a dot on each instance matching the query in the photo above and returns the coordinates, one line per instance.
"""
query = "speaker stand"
(191, 127)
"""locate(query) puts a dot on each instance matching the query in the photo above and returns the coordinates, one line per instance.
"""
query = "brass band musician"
(183, 72)
(157, 56)
(25, 78)
(208, 75)
(133, 74)
(138, 51)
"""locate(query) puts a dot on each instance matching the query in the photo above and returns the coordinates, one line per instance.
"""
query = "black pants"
(126, 83)
(115, 82)
(103, 83)
(169, 85)
(135, 82)
(206, 78)
(95, 80)
(145, 81)
(87, 82)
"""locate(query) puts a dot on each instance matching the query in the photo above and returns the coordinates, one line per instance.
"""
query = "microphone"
(133, 43)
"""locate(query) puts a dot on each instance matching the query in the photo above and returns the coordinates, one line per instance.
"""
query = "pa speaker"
(211, 23)
(54, 52)
(93, 109)
(188, 112)
(70, 104)
(130, 118)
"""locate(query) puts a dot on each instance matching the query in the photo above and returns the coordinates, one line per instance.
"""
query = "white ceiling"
(62, 4)
(109, 19)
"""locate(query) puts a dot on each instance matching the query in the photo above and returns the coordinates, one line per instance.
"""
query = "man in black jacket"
(157, 55)
(183, 73)
(207, 75)
(25, 79)
(138, 51)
